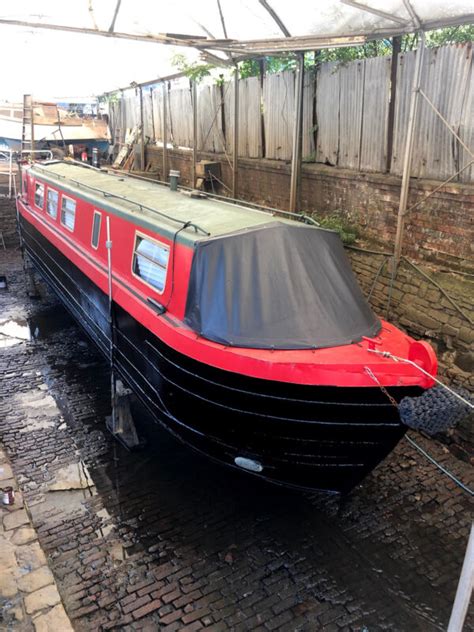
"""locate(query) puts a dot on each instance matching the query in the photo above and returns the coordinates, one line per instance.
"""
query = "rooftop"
(153, 204)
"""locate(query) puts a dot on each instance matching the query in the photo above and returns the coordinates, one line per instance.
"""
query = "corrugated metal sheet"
(180, 117)
(158, 113)
(278, 112)
(466, 129)
(446, 80)
(327, 113)
(373, 154)
(210, 134)
(406, 69)
(350, 113)
(148, 126)
(250, 117)
(351, 103)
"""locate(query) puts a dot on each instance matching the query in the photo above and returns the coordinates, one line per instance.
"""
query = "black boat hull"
(313, 437)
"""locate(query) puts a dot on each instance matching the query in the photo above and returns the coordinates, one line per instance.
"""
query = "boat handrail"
(123, 198)
(307, 219)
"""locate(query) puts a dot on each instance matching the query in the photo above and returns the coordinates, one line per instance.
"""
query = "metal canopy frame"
(236, 50)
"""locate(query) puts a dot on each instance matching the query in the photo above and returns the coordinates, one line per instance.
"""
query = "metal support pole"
(10, 174)
(297, 137)
(165, 132)
(108, 245)
(465, 587)
(142, 133)
(32, 144)
(396, 50)
(235, 152)
(195, 134)
(409, 150)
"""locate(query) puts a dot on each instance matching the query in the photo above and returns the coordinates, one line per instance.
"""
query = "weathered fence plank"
(278, 112)
(350, 113)
(373, 152)
(327, 113)
(346, 109)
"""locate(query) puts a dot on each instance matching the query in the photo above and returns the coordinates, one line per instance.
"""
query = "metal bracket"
(121, 424)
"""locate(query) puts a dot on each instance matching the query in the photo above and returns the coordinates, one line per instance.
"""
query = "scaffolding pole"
(297, 137)
(165, 133)
(235, 153)
(407, 161)
(142, 133)
(195, 132)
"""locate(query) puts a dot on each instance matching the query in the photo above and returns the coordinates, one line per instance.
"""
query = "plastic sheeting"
(280, 286)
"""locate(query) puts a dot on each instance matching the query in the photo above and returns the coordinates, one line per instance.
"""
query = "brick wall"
(441, 230)
(8, 221)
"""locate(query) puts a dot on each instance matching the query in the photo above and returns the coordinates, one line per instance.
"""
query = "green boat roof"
(152, 204)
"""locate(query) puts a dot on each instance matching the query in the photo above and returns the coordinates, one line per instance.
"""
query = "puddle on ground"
(47, 322)
(13, 332)
(71, 487)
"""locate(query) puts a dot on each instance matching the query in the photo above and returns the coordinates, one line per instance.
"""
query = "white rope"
(387, 354)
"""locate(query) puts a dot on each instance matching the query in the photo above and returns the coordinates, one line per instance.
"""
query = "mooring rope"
(428, 456)
(387, 354)
(439, 466)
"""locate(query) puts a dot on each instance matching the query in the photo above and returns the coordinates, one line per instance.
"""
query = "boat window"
(150, 262)
(39, 195)
(52, 203)
(96, 229)
(68, 212)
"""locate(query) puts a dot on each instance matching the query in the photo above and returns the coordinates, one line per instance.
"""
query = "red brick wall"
(441, 230)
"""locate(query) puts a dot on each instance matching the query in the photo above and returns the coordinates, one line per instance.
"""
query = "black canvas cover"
(278, 286)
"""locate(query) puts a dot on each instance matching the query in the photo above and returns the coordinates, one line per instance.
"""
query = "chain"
(382, 388)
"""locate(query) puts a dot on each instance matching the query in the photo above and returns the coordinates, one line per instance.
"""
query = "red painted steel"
(336, 366)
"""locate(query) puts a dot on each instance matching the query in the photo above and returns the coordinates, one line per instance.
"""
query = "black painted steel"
(313, 437)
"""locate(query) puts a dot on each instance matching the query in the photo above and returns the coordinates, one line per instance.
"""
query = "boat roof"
(152, 204)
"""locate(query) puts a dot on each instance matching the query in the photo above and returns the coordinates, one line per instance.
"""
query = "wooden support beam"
(235, 153)
(410, 137)
(165, 133)
(297, 137)
(195, 131)
(396, 49)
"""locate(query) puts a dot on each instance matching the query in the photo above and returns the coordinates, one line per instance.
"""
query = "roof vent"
(174, 177)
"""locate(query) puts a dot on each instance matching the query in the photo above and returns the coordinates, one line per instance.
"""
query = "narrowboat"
(243, 332)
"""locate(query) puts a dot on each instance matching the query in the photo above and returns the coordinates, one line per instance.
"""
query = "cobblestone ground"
(162, 539)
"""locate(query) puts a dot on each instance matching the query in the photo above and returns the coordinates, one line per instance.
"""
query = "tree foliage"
(374, 48)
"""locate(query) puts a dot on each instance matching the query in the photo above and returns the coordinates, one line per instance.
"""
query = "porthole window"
(150, 261)
(96, 229)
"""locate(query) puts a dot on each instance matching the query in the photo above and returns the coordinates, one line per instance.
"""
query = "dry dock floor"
(162, 539)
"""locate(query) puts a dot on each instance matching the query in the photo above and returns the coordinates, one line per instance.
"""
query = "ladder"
(28, 139)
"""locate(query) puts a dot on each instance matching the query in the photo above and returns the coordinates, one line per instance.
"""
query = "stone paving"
(162, 539)
(29, 598)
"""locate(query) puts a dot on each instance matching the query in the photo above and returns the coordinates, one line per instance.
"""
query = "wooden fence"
(345, 114)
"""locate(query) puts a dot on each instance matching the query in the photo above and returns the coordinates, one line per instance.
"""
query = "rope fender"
(436, 410)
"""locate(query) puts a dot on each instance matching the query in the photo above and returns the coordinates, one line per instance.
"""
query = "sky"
(51, 64)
